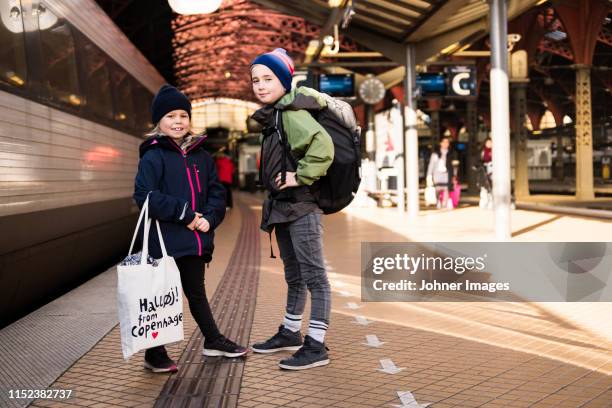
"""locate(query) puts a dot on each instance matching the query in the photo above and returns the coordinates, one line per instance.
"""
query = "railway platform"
(437, 354)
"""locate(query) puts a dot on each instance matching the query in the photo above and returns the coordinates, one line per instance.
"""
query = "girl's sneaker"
(223, 347)
(312, 354)
(157, 360)
(284, 339)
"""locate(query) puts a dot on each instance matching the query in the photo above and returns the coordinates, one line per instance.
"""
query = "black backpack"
(338, 187)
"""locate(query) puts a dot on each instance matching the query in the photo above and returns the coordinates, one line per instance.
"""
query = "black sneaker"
(285, 339)
(157, 360)
(223, 347)
(311, 354)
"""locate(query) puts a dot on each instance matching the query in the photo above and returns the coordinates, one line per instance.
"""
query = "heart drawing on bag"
(154, 334)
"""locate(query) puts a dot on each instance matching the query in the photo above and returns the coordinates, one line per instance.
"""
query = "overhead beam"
(405, 6)
(445, 10)
(372, 8)
(350, 64)
(432, 46)
(310, 15)
(389, 47)
(333, 20)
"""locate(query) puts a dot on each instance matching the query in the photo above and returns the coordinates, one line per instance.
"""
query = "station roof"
(388, 25)
(439, 30)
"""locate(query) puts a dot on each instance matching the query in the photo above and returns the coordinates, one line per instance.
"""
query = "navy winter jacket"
(180, 184)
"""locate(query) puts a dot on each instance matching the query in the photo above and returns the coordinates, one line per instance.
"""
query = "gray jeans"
(301, 249)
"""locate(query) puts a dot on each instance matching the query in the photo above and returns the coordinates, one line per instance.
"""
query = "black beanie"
(168, 98)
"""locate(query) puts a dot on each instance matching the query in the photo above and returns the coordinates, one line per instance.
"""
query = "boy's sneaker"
(311, 354)
(157, 360)
(284, 339)
(223, 347)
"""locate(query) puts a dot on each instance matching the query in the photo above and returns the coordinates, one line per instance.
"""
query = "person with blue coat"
(185, 195)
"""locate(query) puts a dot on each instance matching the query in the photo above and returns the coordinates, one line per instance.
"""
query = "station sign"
(458, 81)
(461, 80)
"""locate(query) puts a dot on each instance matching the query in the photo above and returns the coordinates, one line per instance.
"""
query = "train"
(74, 106)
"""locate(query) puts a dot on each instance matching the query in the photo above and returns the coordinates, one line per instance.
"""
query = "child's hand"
(192, 224)
(290, 180)
(202, 225)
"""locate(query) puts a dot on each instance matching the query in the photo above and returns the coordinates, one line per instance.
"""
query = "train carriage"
(74, 104)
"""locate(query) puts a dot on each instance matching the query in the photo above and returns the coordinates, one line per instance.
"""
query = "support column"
(559, 165)
(411, 143)
(583, 20)
(473, 152)
(434, 127)
(370, 133)
(400, 158)
(521, 169)
(584, 135)
(500, 118)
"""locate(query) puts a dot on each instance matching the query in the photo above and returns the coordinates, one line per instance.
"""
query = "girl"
(185, 195)
(290, 208)
(440, 171)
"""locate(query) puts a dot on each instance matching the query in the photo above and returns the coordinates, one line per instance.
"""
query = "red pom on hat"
(282, 54)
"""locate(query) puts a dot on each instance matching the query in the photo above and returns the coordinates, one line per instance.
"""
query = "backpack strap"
(282, 138)
(267, 132)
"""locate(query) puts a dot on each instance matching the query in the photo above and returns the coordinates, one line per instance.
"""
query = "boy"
(290, 208)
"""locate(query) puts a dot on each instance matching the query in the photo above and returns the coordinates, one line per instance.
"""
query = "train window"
(98, 97)
(58, 50)
(12, 46)
(143, 99)
(124, 102)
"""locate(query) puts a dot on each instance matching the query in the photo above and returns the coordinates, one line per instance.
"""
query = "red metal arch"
(213, 52)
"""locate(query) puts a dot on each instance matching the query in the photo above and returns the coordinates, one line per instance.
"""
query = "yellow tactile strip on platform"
(101, 378)
(215, 381)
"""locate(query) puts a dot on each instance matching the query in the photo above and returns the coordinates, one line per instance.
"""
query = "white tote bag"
(149, 295)
(431, 197)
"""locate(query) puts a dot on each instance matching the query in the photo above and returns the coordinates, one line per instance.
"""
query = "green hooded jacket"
(311, 147)
(308, 139)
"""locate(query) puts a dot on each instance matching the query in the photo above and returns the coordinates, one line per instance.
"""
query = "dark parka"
(179, 183)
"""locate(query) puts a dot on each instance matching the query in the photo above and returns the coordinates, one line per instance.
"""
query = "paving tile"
(455, 354)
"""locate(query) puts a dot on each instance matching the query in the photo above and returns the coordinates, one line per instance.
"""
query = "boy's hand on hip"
(290, 180)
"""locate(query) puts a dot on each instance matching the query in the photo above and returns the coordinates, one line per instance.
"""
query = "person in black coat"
(185, 195)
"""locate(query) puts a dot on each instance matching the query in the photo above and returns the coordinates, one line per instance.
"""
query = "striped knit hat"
(280, 63)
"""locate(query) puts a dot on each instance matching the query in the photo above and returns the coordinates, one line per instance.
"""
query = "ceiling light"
(74, 100)
(194, 6)
(556, 35)
(11, 15)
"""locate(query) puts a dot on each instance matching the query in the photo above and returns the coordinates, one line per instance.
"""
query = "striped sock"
(317, 330)
(292, 322)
